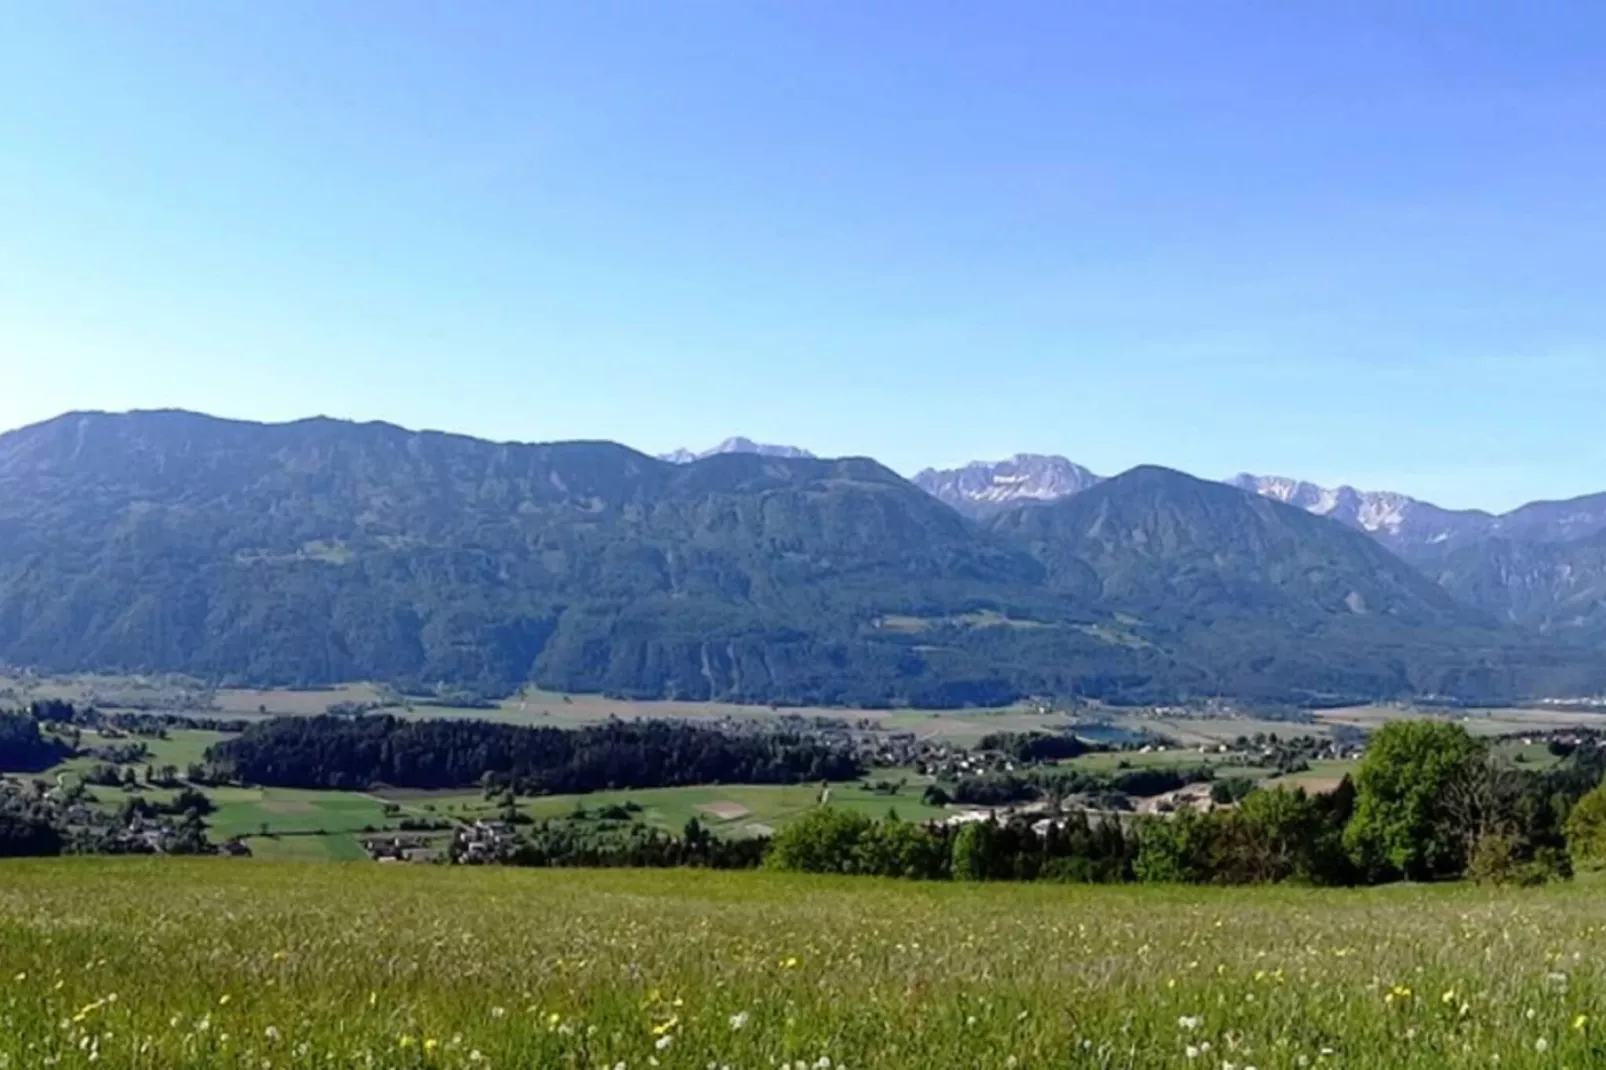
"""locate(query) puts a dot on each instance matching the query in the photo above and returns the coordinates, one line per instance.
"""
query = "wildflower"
(739, 1020)
(498, 1012)
(663, 1042)
(1191, 1051)
(272, 1033)
(1190, 1022)
(1541, 1045)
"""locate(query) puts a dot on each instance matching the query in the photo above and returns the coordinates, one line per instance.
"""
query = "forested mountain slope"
(1261, 591)
(321, 550)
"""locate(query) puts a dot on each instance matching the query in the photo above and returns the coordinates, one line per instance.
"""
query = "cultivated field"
(289, 823)
(733, 809)
(1479, 722)
(166, 963)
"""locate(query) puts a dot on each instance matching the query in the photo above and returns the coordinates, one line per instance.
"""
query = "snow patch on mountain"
(736, 444)
(985, 487)
(1392, 518)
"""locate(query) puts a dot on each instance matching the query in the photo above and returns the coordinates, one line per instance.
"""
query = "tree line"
(345, 753)
(615, 840)
(1428, 802)
(26, 749)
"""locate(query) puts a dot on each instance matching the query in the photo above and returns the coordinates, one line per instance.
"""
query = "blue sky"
(1358, 241)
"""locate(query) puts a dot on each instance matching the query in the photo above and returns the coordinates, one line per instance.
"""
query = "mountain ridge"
(321, 550)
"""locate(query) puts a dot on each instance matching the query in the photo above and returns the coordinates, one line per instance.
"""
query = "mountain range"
(322, 550)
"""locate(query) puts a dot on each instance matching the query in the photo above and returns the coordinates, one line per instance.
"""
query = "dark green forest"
(362, 752)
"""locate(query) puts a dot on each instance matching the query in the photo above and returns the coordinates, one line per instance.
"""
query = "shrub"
(1586, 830)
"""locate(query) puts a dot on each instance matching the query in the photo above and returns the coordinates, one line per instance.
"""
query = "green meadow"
(214, 963)
(734, 809)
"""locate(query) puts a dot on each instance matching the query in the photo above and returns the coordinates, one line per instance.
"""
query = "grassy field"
(237, 703)
(217, 964)
(1479, 722)
(736, 809)
(554, 710)
(241, 811)
(1175, 758)
(275, 822)
(281, 822)
(1321, 776)
(182, 747)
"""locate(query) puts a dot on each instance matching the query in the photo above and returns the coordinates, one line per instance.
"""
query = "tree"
(1231, 790)
(1586, 830)
(1402, 825)
(973, 851)
(188, 800)
(825, 840)
(893, 848)
(1175, 849)
(1279, 835)
(24, 834)
(1481, 801)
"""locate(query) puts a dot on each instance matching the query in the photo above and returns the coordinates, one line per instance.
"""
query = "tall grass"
(209, 963)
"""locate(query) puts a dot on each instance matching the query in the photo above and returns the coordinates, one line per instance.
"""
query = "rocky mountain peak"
(1393, 518)
(736, 444)
(983, 488)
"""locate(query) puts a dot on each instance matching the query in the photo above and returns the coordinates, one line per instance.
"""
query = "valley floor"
(219, 963)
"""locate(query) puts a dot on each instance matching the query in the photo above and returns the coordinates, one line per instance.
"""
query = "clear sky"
(1349, 241)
